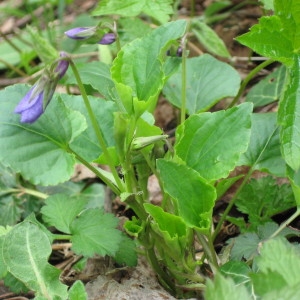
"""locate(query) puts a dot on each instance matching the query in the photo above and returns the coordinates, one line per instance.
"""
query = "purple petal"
(108, 39)
(63, 65)
(80, 33)
(32, 113)
(27, 101)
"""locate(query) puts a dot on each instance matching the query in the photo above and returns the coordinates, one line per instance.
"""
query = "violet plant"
(118, 130)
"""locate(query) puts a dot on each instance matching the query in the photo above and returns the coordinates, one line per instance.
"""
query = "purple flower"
(107, 39)
(80, 33)
(31, 106)
(34, 103)
(83, 33)
(62, 65)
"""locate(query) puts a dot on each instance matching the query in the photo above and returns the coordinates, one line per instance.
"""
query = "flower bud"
(83, 33)
(107, 39)
(34, 103)
(80, 33)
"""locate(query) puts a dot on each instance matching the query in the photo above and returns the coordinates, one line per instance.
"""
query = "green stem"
(183, 81)
(95, 171)
(209, 251)
(96, 127)
(247, 79)
(62, 237)
(22, 190)
(230, 205)
(166, 282)
(285, 223)
(10, 66)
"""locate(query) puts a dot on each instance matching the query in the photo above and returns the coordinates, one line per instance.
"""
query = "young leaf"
(263, 198)
(263, 152)
(209, 81)
(26, 250)
(205, 140)
(225, 289)
(276, 36)
(77, 291)
(48, 137)
(268, 89)
(60, 210)
(209, 39)
(94, 232)
(171, 232)
(144, 79)
(194, 195)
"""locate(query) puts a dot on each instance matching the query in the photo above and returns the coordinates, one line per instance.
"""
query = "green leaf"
(97, 75)
(225, 289)
(94, 232)
(268, 89)
(237, 270)
(77, 291)
(263, 152)
(294, 178)
(276, 36)
(285, 293)
(278, 264)
(158, 9)
(289, 118)
(208, 81)
(204, 141)
(39, 150)
(247, 245)
(194, 195)
(128, 8)
(26, 250)
(171, 232)
(209, 39)
(132, 28)
(144, 79)
(10, 212)
(60, 210)
(167, 222)
(14, 284)
(126, 254)
(86, 144)
(263, 198)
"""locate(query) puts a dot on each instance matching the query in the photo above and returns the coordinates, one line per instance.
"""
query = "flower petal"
(108, 39)
(31, 114)
(80, 33)
(27, 101)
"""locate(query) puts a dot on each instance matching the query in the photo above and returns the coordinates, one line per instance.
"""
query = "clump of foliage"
(38, 153)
